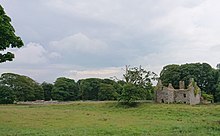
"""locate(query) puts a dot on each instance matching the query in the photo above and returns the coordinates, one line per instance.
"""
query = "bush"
(130, 94)
(208, 97)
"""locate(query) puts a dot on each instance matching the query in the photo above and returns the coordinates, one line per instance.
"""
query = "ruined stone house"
(190, 95)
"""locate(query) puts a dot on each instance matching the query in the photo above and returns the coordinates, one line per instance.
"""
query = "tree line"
(136, 86)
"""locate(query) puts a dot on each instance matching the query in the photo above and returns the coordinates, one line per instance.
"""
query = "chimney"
(181, 84)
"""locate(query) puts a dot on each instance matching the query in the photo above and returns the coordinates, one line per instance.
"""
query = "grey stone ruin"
(182, 95)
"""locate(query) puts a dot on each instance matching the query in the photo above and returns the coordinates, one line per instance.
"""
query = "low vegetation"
(109, 118)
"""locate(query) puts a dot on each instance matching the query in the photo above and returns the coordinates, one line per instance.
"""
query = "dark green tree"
(6, 95)
(130, 94)
(89, 88)
(65, 89)
(23, 87)
(118, 86)
(107, 92)
(47, 87)
(171, 74)
(7, 37)
(203, 74)
(217, 93)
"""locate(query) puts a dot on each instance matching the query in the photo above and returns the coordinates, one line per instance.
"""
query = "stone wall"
(182, 96)
(165, 96)
(194, 99)
(171, 95)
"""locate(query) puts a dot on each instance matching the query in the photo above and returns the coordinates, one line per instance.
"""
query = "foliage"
(47, 87)
(207, 97)
(107, 92)
(217, 93)
(171, 74)
(23, 87)
(119, 86)
(89, 88)
(138, 85)
(130, 94)
(7, 37)
(139, 76)
(197, 90)
(99, 89)
(65, 89)
(6, 95)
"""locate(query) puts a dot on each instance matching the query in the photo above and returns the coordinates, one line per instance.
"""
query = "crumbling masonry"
(191, 95)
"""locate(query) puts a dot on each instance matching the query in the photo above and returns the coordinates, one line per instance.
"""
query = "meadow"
(109, 118)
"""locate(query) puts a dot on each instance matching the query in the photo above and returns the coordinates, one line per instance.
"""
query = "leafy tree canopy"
(107, 92)
(6, 95)
(47, 87)
(89, 88)
(23, 87)
(7, 37)
(129, 93)
(139, 76)
(65, 89)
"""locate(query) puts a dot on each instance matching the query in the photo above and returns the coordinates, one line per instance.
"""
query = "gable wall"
(165, 96)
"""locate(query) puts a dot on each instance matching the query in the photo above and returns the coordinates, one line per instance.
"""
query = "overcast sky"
(97, 38)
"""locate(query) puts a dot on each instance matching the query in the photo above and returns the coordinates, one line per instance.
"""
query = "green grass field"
(97, 118)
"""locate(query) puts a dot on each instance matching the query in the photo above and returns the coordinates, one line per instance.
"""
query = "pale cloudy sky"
(97, 38)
